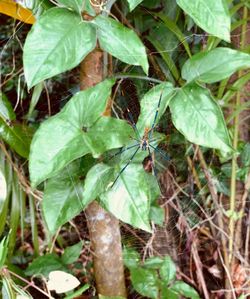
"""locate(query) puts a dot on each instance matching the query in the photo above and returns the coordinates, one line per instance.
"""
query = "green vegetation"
(178, 65)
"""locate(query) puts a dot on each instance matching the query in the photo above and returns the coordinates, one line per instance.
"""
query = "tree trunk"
(103, 228)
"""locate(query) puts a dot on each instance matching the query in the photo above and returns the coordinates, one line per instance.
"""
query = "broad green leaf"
(168, 270)
(77, 130)
(131, 257)
(6, 111)
(78, 6)
(3, 250)
(57, 42)
(97, 181)
(133, 3)
(17, 136)
(212, 16)
(199, 118)
(154, 262)
(63, 196)
(43, 265)
(145, 282)
(108, 133)
(215, 65)
(130, 197)
(167, 293)
(184, 289)
(121, 42)
(72, 253)
(149, 105)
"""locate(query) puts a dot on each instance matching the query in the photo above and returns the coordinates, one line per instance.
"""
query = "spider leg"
(122, 170)
(133, 124)
(124, 150)
(154, 169)
(153, 164)
(166, 157)
(156, 114)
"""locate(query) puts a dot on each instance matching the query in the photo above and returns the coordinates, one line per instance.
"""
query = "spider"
(100, 6)
(143, 143)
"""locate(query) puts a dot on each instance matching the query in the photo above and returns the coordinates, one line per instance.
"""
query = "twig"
(198, 265)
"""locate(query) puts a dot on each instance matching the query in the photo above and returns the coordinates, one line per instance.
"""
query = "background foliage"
(59, 145)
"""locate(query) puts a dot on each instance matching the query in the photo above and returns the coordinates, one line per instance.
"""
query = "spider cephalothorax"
(144, 142)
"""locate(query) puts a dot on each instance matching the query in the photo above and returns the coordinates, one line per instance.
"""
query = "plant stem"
(136, 76)
(235, 146)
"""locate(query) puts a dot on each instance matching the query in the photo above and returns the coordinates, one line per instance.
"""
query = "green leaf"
(43, 265)
(168, 270)
(154, 262)
(184, 289)
(145, 282)
(212, 16)
(63, 196)
(108, 133)
(245, 155)
(3, 190)
(77, 130)
(236, 86)
(131, 257)
(3, 250)
(215, 65)
(121, 42)
(133, 3)
(72, 253)
(19, 292)
(150, 102)
(17, 197)
(130, 197)
(78, 292)
(173, 27)
(97, 181)
(17, 136)
(36, 6)
(110, 297)
(167, 293)
(35, 98)
(58, 41)
(6, 111)
(199, 118)
(78, 6)
(7, 171)
(157, 215)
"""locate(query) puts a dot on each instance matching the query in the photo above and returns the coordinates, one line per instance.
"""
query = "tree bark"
(103, 227)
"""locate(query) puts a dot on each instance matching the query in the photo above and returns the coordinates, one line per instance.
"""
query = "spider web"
(186, 215)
